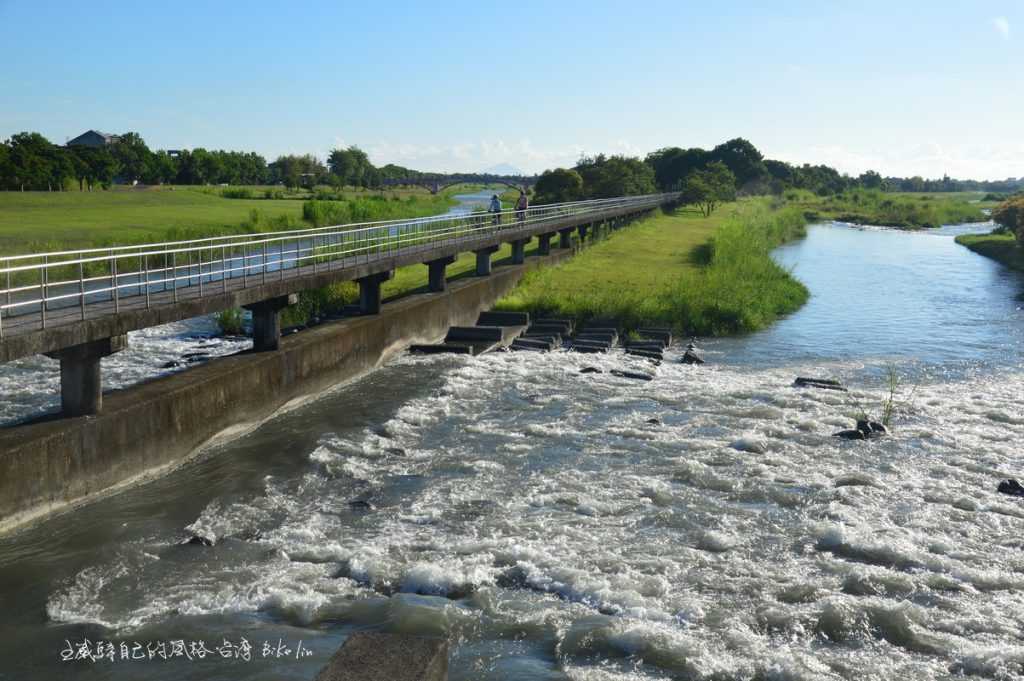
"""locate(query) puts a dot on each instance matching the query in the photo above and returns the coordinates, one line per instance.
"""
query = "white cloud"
(928, 159)
(1002, 26)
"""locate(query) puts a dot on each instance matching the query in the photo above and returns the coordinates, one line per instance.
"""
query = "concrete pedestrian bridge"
(78, 306)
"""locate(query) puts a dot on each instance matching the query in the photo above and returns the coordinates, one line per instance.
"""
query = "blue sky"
(902, 87)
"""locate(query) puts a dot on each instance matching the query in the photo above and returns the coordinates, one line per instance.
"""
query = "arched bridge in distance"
(438, 183)
(78, 306)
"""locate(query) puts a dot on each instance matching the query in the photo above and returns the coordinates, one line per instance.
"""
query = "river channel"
(558, 525)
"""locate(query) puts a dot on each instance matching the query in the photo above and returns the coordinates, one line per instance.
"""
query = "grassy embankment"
(46, 221)
(1003, 248)
(702, 276)
(902, 210)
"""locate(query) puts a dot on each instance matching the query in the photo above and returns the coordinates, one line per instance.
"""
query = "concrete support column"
(483, 260)
(266, 321)
(437, 281)
(369, 292)
(81, 383)
(544, 243)
(519, 251)
(565, 238)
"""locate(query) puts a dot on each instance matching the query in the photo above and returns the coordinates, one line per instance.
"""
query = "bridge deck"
(48, 313)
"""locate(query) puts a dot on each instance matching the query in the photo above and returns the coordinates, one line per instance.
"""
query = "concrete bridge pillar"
(266, 321)
(483, 260)
(369, 292)
(519, 251)
(437, 281)
(565, 238)
(544, 243)
(81, 384)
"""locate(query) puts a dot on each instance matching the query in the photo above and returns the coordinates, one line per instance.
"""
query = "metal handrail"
(244, 256)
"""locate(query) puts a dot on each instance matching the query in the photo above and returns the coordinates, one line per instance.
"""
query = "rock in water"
(590, 370)
(632, 374)
(822, 383)
(872, 428)
(197, 540)
(851, 435)
(1011, 487)
(692, 357)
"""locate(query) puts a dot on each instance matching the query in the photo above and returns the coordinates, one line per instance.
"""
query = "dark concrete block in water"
(567, 323)
(646, 354)
(588, 347)
(493, 334)
(602, 336)
(560, 329)
(495, 318)
(388, 657)
(552, 338)
(532, 344)
(443, 348)
(598, 323)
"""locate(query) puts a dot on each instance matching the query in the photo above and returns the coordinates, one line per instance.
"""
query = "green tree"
(744, 161)
(132, 156)
(710, 187)
(1010, 214)
(30, 158)
(672, 164)
(871, 180)
(558, 185)
(611, 176)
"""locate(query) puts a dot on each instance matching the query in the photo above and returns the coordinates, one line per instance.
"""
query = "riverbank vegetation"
(699, 275)
(1004, 244)
(875, 207)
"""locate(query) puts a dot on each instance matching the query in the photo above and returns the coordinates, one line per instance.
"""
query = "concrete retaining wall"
(46, 466)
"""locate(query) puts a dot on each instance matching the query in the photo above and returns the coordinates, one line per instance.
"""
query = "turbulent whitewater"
(559, 525)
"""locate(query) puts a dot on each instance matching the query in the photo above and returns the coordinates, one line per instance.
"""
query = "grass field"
(1003, 248)
(36, 221)
(704, 276)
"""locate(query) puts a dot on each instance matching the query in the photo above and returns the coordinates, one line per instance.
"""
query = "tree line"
(709, 177)
(30, 162)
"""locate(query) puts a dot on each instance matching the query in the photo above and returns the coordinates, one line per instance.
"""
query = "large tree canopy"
(558, 185)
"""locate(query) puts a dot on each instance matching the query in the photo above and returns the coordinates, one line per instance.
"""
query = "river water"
(537, 517)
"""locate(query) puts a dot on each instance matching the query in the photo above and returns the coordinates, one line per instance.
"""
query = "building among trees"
(94, 139)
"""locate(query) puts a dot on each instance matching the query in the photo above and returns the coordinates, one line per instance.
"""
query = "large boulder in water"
(865, 430)
(1011, 487)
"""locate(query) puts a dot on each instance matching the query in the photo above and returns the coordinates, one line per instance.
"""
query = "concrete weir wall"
(47, 465)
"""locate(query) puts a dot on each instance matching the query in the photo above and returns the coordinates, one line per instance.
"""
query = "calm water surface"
(536, 516)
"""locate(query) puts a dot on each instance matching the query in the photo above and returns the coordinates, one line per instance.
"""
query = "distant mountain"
(502, 169)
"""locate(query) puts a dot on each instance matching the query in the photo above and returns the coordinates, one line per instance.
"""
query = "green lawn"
(36, 221)
(706, 276)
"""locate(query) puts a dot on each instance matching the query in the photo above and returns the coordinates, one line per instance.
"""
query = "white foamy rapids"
(31, 386)
(733, 538)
